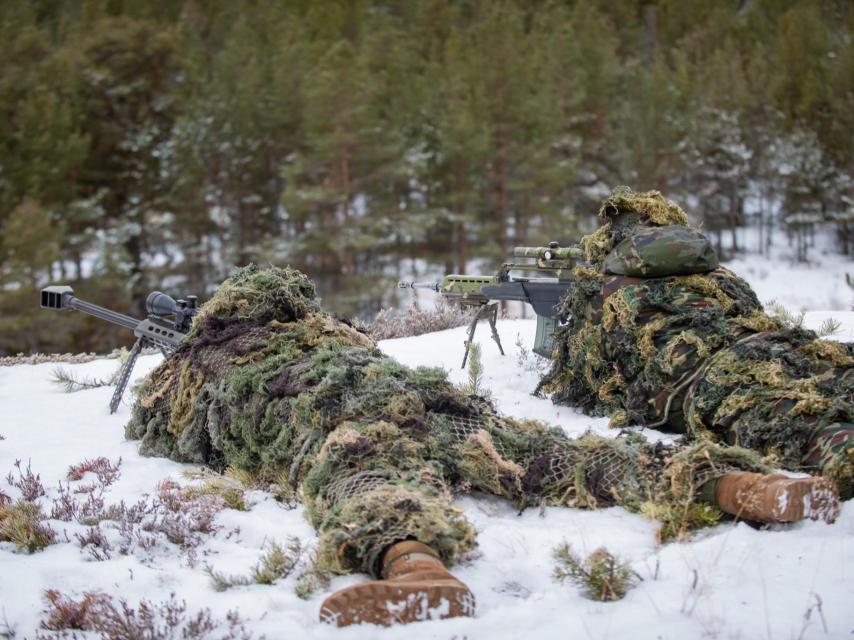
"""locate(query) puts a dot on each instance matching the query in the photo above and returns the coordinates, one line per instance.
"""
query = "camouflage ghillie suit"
(660, 335)
(268, 382)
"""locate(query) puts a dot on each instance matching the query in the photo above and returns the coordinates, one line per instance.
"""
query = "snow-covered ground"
(730, 581)
(818, 284)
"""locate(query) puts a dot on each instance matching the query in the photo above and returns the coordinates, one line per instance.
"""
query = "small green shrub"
(474, 386)
(601, 576)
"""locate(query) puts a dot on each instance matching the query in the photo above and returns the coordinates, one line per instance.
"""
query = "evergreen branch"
(72, 383)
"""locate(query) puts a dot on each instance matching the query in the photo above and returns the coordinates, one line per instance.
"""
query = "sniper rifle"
(486, 292)
(157, 330)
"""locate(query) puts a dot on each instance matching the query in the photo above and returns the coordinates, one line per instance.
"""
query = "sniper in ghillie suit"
(268, 382)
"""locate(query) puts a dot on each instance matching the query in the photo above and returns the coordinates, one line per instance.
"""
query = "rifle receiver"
(154, 331)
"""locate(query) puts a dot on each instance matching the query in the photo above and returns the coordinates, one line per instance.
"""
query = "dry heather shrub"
(22, 524)
(601, 576)
(106, 472)
(28, 483)
(64, 613)
(415, 321)
(95, 543)
(183, 518)
(168, 620)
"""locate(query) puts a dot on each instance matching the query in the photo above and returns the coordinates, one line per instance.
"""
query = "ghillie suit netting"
(659, 335)
(268, 382)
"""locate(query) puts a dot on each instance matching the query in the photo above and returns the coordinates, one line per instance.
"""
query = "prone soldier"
(268, 382)
(660, 335)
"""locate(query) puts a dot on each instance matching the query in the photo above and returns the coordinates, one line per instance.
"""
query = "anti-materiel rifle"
(157, 330)
(486, 292)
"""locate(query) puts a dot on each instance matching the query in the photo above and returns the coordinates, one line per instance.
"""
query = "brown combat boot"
(776, 498)
(416, 586)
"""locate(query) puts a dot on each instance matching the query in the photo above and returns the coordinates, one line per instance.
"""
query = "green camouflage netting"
(696, 353)
(269, 383)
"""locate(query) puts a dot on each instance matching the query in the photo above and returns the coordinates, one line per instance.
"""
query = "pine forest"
(157, 144)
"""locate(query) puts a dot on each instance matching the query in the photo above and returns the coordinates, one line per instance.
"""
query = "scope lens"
(160, 304)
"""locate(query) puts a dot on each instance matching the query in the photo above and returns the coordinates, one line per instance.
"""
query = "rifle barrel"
(62, 297)
(408, 284)
(103, 313)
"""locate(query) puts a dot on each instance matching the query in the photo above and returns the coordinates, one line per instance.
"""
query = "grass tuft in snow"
(63, 613)
(829, 327)
(312, 578)
(279, 561)
(601, 576)
(227, 487)
(787, 318)
(7, 631)
(23, 525)
(678, 522)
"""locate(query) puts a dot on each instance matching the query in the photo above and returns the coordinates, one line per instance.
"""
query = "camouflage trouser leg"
(374, 484)
(784, 394)
(831, 451)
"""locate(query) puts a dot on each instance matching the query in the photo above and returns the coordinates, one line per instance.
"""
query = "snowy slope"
(728, 582)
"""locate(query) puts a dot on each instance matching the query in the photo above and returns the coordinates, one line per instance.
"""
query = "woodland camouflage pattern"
(269, 383)
(694, 352)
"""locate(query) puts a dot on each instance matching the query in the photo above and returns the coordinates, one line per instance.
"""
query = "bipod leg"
(486, 312)
(124, 376)
(493, 318)
(467, 343)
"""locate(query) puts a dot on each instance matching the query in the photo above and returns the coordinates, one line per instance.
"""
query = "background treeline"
(156, 143)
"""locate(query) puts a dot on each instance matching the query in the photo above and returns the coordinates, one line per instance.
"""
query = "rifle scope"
(159, 304)
(552, 252)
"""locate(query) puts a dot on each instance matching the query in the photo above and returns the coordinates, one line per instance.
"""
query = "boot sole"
(385, 603)
(813, 498)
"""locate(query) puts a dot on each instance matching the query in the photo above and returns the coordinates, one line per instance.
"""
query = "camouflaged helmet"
(654, 252)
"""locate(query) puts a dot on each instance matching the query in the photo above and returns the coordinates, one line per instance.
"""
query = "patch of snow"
(727, 581)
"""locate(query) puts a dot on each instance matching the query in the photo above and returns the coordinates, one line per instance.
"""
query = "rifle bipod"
(127, 369)
(486, 312)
